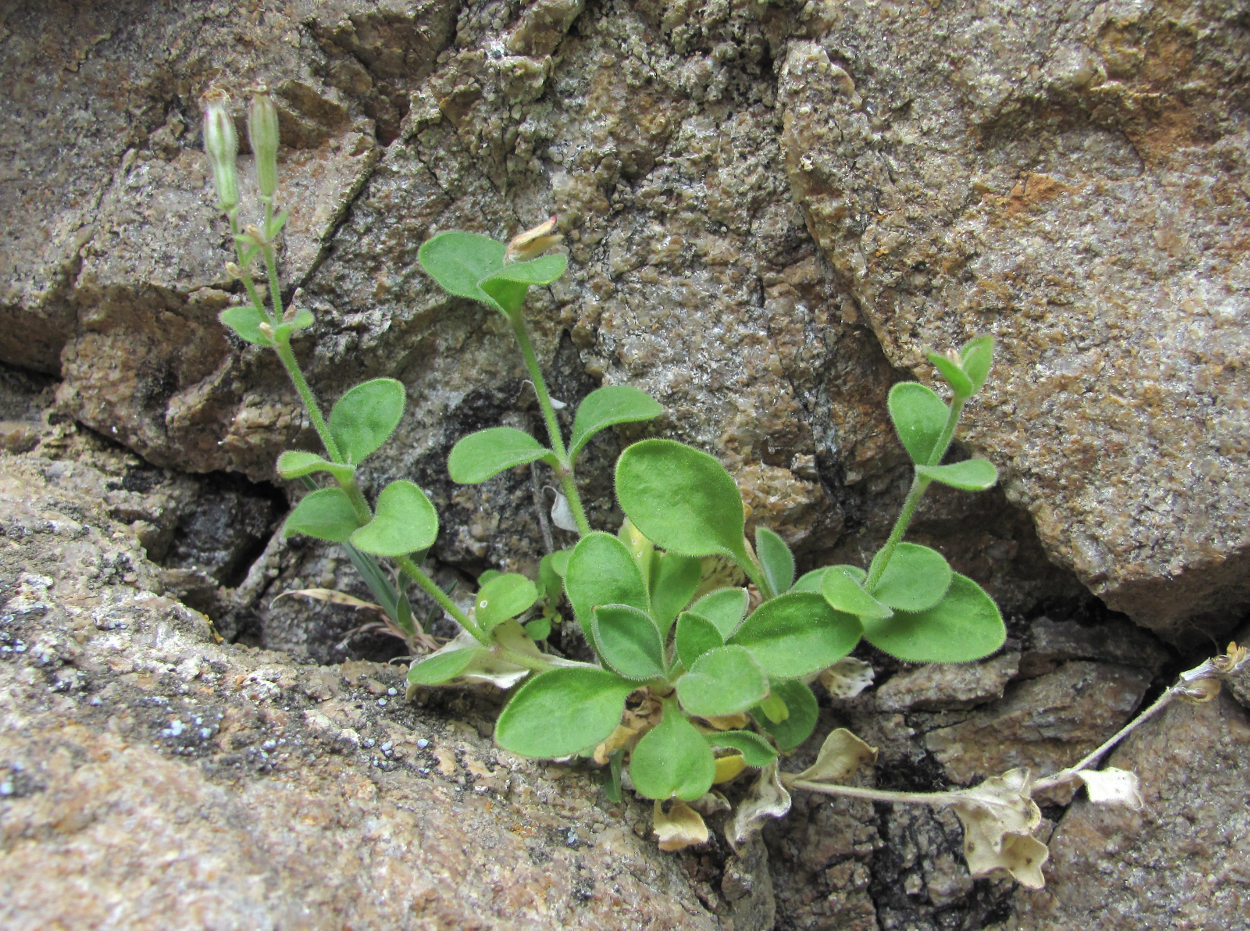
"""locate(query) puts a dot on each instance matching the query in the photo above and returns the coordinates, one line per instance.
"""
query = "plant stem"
(565, 470)
(919, 485)
(431, 588)
(932, 799)
(282, 346)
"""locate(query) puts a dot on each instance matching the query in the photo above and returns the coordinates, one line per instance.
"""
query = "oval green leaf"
(797, 634)
(404, 522)
(919, 417)
(976, 357)
(540, 271)
(441, 667)
(695, 636)
(245, 320)
(366, 416)
(845, 593)
(775, 558)
(722, 681)
(294, 463)
(955, 376)
(916, 578)
(799, 721)
(969, 475)
(602, 571)
(672, 759)
(755, 750)
(965, 625)
(607, 406)
(674, 580)
(458, 261)
(484, 454)
(812, 581)
(326, 514)
(502, 597)
(725, 607)
(681, 499)
(628, 642)
(563, 712)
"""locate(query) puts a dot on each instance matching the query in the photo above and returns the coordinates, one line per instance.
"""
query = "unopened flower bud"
(262, 133)
(532, 243)
(221, 143)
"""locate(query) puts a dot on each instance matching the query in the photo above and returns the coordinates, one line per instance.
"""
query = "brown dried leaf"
(333, 596)
(678, 828)
(840, 755)
(999, 817)
(767, 798)
(847, 677)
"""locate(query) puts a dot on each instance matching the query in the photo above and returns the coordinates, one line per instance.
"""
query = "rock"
(1175, 863)
(154, 771)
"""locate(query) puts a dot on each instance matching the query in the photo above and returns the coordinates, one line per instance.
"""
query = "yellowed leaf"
(727, 767)
(679, 827)
(1112, 786)
(999, 817)
(766, 798)
(840, 755)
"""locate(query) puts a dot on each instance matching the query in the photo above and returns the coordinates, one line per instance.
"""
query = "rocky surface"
(147, 770)
(770, 209)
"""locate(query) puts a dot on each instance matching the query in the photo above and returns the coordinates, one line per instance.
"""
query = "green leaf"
(775, 558)
(601, 571)
(404, 522)
(964, 626)
(813, 580)
(607, 406)
(976, 358)
(294, 463)
(326, 514)
(302, 320)
(563, 712)
(725, 607)
(797, 634)
(845, 593)
(441, 667)
(628, 641)
(916, 578)
(458, 261)
(538, 629)
(672, 759)
(802, 710)
(722, 681)
(502, 597)
(755, 750)
(366, 416)
(245, 320)
(919, 417)
(540, 271)
(485, 454)
(674, 580)
(695, 636)
(681, 499)
(955, 376)
(969, 475)
(551, 570)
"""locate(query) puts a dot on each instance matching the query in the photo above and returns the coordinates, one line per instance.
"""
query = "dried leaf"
(1112, 786)
(840, 755)
(332, 596)
(767, 798)
(999, 817)
(847, 677)
(680, 827)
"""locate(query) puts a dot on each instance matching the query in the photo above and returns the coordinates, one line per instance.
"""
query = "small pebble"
(422, 743)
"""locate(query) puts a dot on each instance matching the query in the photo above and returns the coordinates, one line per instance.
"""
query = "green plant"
(695, 678)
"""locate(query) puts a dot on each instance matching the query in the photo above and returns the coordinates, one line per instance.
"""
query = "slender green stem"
(245, 274)
(431, 588)
(282, 346)
(565, 470)
(919, 485)
(271, 262)
(933, 799)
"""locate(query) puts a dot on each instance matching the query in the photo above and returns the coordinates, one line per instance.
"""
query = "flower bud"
(262, 133)
(532, 243)
(221, 143)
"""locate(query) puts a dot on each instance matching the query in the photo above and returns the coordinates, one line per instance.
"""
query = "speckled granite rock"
(148, 771)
